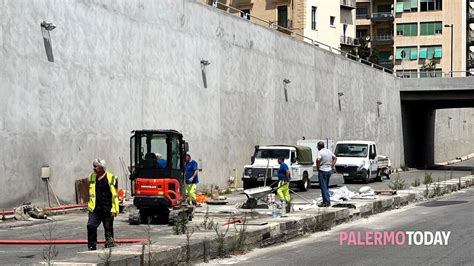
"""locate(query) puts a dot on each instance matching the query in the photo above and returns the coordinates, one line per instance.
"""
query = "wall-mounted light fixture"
(204, 64)
(449, 121)
(463, 124)
(339, 94)
(49, 26)
(378, 108)
(46, 28)
(285, 83)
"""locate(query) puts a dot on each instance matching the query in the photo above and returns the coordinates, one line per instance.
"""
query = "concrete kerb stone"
(204, 244)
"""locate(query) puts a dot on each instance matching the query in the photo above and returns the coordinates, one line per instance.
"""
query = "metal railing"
(348, 3)
(286, 24)
(470, 15)
(470, 63)
(273, 25)
(383, 38)
(470, 36)
(382, 16)
(434, 74)
(349, 41)
(363, 16)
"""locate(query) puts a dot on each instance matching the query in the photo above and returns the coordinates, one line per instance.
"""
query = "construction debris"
(27, 212)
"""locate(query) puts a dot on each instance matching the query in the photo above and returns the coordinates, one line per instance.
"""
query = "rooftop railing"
(275, 26)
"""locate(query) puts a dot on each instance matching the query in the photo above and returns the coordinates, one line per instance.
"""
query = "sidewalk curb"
(206, 244)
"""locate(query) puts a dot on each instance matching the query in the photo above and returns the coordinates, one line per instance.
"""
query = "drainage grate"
(442, 203)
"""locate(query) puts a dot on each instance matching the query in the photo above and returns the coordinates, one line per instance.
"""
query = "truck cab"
(358, 160)
(264, 166)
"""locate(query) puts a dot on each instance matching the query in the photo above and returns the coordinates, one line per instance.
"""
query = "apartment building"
(470, 37)
(331, 22)
(414, 36)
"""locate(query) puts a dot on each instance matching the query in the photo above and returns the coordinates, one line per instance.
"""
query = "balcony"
(386, 64)
(470, 37)
(470, 63)
(351, 4)
(363, 16)
(382, 17)
(382, 40)
(470, 16)
(349, 41)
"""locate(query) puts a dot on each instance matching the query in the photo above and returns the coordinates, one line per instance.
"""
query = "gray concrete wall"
(453, 137)
(123, 65)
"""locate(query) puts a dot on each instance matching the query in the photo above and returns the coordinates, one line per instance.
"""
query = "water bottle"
(274, 210)
(283, 208)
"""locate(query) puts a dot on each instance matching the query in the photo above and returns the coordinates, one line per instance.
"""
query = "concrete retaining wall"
(123, 65)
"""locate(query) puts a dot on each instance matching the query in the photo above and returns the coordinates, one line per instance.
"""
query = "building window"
(332, 21)
(430, 52)
(406, 6)
(245, 14)
(407, 29)
(431, 5)
(362, 12)
(407, 73)
(406, 53)
(313, 18)
(431, 28)
(435, 73)
(362, 33)
(384, 8)
(283, 16)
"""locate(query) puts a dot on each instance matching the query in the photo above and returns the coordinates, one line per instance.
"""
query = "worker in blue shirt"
(192, 179)
(283, 190)
(161, 162)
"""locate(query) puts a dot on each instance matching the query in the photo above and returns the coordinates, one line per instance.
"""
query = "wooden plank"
(82, 191)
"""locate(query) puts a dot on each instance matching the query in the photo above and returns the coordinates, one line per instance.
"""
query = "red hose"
(64, 241)
(65, 207)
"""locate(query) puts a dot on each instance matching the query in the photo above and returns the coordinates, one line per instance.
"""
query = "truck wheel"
(367, 178)
(378, 178)
(304, 184)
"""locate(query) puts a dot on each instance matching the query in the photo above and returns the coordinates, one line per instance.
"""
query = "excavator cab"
(157, 166)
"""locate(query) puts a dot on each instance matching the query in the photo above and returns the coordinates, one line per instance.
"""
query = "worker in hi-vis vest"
(103, 204)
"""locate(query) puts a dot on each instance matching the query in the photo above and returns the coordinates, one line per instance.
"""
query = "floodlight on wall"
(46, 28)
(204, 64)
(449, 121)
(339, 94)
(49, 26)
(463, 124)
(285, 83)
(378, 108)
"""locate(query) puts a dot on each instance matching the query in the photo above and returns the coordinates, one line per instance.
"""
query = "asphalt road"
(73, 226)
(454, 213)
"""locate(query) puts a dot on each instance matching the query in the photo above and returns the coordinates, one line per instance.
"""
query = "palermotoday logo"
(398, 238)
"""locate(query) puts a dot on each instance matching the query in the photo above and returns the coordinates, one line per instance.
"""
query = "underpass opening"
(419, 118)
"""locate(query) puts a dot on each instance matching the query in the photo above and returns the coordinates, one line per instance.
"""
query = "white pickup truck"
(358, 160)
(265, 164)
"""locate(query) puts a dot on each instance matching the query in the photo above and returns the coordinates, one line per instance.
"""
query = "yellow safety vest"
(112, 183)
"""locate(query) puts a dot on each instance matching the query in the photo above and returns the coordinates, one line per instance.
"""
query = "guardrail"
(275, 26)
(435, 74)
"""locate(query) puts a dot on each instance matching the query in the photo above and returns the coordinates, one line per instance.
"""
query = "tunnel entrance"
(418, 121)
